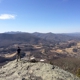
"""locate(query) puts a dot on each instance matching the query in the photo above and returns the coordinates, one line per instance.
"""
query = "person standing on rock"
(18, 54)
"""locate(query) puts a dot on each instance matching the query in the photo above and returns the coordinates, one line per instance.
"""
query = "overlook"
(24, 70)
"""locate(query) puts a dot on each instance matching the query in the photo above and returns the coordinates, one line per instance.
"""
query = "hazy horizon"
(40, 32)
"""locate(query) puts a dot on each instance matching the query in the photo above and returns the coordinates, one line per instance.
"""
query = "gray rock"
(24, 70)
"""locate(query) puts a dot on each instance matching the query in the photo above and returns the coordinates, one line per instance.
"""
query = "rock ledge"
(24, 70)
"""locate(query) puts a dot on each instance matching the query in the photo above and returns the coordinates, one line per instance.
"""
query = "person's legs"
(17, 57)
(20, 57)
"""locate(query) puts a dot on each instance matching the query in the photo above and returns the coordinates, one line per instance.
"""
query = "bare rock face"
(24, 70)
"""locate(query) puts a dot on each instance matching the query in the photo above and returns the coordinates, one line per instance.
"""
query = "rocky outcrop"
(24, 70)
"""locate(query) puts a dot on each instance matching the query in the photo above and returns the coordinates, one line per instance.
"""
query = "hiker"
(18, 54)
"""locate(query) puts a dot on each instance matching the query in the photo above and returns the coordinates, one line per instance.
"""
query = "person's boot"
(17, 60)
(20, 58)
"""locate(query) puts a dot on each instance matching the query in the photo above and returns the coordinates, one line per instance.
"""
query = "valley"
(65, 54)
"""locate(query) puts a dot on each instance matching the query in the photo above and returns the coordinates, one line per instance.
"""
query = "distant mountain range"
(58, 37)
(77, 34)
(13, 32)
(19, 38)
(36, 38)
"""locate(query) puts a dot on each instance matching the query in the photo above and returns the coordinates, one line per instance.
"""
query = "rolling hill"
(8, 39)
(56, 37)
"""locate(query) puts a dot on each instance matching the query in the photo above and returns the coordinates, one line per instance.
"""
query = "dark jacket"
(18, 51)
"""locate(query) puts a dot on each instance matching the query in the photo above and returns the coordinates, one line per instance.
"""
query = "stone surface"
(24, 70)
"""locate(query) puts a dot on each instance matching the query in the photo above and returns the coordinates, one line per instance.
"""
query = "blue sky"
(57, 16)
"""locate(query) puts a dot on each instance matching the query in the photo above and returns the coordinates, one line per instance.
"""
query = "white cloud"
(7, 16)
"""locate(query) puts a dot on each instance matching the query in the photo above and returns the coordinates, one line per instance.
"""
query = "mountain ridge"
(55, 37)
(18, 38)
(10, 38)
